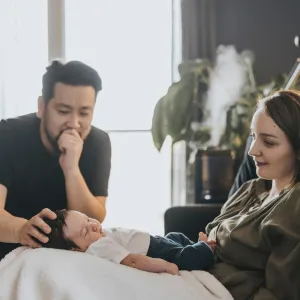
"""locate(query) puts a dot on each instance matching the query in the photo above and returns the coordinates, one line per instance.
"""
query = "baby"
(72, 230)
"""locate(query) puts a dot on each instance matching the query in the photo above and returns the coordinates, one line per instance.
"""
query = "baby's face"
(81, 229)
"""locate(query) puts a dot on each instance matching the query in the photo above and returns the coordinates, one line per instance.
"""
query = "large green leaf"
(178, 103)
(173, 113)
(159, 127)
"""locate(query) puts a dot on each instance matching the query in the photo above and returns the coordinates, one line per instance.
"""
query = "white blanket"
(48, 274)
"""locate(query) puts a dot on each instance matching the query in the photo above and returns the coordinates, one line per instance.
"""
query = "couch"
(190, 219)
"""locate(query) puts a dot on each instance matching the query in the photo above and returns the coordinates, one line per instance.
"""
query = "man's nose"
(74, 122)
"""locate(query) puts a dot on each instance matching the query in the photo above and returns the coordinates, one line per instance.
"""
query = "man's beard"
(53, 142)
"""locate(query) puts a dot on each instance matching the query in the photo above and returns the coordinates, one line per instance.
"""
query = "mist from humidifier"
(226, 82)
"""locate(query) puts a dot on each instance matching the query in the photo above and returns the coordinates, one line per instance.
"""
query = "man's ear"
(41, 107)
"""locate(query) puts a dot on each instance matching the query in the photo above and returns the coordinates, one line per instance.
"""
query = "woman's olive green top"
(258, 254)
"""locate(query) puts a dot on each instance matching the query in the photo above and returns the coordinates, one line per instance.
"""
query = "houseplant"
(184, 112)
(175, 112)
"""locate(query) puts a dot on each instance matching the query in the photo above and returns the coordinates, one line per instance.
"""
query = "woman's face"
(271, 150)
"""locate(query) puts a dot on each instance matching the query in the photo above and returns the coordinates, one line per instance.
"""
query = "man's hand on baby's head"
(33, 232)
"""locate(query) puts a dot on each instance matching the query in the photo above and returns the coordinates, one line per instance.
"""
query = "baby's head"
(72, 230)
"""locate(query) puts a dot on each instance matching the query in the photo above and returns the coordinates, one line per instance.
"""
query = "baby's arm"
(108, 249)
(149, 264)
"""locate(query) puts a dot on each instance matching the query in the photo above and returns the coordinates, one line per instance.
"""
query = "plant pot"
(214, 175)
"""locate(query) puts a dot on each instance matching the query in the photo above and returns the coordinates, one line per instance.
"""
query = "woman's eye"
(269, 144)
(63, 112)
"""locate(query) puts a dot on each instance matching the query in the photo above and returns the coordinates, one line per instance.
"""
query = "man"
(53, 159)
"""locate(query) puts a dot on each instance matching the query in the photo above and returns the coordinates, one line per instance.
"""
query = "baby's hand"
(202, 237)
(211, 243)
(172, 269)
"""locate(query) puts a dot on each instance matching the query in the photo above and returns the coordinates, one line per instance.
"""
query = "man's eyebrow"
(63, 105)
(86, 108)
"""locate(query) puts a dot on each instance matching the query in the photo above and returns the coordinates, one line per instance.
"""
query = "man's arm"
(20, 230)
(84, 185)
(77, 191)
(9, 224)
(14, 229)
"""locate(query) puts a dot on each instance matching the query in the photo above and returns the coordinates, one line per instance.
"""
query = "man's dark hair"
(56, 237)
(73, 73)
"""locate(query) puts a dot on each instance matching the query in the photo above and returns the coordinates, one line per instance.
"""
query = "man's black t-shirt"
(34, 178)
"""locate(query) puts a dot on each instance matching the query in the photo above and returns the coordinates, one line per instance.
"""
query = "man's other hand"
(70, 144)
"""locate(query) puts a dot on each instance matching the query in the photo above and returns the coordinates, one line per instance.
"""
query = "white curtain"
(23, 55)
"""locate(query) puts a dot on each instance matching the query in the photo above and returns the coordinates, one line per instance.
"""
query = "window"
(130, 44)
(139, 190)
(23, 55)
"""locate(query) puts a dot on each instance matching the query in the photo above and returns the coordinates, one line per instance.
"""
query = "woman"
(258, 230)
